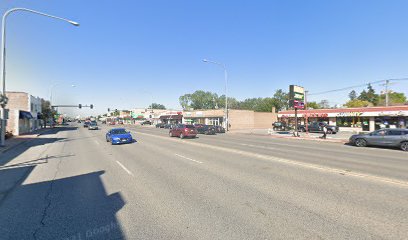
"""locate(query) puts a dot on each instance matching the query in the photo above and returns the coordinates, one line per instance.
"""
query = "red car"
(183, 130)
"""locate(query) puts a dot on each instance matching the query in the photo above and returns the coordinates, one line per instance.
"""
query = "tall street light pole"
(3, 59)
(226, 88)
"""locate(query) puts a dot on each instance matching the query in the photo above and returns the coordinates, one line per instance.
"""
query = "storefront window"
(357, 122)
(389, 122)
(215, 121)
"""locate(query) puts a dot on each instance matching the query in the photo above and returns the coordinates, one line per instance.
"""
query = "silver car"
(93, 126)
(395, 137)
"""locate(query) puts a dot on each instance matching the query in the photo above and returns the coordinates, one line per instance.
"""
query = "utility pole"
(387, 82)
(306, 113)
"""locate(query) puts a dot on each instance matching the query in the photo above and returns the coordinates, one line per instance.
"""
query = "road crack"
(48, 198)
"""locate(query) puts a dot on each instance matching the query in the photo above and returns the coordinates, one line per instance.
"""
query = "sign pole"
(296, 123)
(306, 115)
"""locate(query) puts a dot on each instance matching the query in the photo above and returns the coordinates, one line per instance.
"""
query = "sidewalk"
(18, 140)
(341, 137)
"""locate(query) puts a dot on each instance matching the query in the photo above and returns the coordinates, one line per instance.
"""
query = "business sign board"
(296, 93)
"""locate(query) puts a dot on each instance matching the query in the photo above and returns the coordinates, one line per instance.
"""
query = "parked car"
(86, 124)
(281, 126)
(93, 126)
(147, 122)
(160, 125)
(318, 127)
(206, 129)
(395, 137)
(118, 136)
(183, 130)
(167, 126)
(219, 129)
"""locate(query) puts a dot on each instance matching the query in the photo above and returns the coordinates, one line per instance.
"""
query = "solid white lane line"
(178, 155)
(124, 168)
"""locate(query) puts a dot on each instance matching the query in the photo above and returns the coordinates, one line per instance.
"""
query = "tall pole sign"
(296, 101)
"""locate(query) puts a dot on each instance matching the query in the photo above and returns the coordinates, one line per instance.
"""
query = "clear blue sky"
(124, 49)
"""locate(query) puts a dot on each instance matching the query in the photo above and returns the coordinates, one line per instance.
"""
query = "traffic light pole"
(74, 106)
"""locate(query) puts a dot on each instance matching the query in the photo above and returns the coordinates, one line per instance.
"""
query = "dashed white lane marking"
(124, 168)
(257, 146)
(371, 177)
(96, 142)
(190, 159)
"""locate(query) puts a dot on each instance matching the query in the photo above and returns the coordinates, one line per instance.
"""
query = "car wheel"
(404, 146)
(361, 142)
(107, 139)
(181, 136)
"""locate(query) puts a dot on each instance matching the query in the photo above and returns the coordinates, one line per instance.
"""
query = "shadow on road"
(59, 129)
(31, 142)
(76, 207)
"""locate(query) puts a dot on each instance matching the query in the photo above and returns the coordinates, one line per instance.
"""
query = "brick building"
(24, 112)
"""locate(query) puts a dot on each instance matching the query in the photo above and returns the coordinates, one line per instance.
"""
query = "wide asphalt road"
(72, 184)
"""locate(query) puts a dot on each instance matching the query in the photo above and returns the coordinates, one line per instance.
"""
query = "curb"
(302, 138)
(22, 142)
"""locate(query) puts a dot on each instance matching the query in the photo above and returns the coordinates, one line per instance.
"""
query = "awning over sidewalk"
(25, 115)
(172, 117)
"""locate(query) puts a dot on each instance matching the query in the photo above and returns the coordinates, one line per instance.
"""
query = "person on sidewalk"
(324, 128)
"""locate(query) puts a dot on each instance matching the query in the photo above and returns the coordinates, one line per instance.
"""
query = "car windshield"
(118, 131)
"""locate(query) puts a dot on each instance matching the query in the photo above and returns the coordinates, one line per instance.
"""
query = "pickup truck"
(318, 127)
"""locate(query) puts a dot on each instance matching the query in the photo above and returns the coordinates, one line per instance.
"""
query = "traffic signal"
(91, 106)
(80, 106)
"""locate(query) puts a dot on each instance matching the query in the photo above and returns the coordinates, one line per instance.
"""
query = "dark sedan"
(397, 137)
(219, 129)
(206, 129)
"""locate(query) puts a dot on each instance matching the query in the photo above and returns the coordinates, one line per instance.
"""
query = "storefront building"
(24, 112)
(171, 117)
(207, 117)
(237, 119)
(353, 119)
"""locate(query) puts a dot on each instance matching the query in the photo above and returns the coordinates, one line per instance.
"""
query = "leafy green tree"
(232, 102)
(358, 103)
(47, 112)
(185, 101)
(369, 95)
(157, 106)
(313, 105)
(352, 95)
(393, 98)
(280, 100)
(250, 103)
(199, 100)
(203, 100)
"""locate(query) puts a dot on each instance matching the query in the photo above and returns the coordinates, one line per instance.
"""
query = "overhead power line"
(357, 86)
